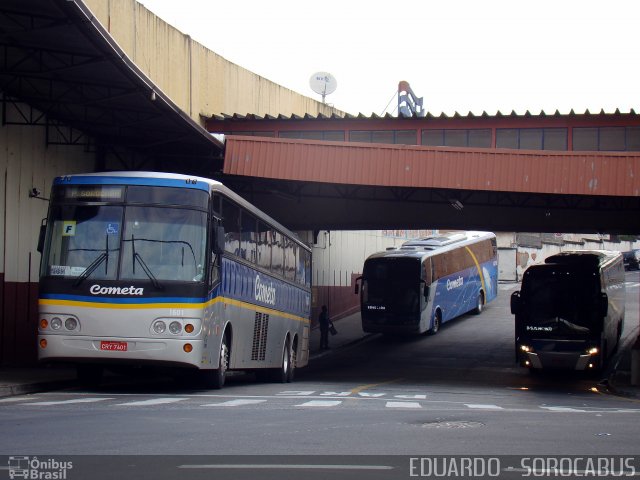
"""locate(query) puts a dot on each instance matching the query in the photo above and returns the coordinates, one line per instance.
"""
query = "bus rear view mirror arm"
(426, 289)
(515, 303)
(41, 237)
(357, 289)
(219, 240)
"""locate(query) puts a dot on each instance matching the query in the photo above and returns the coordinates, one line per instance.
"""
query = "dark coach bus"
(569, 313)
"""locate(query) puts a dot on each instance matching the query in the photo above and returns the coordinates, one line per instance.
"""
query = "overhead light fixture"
(457, 204)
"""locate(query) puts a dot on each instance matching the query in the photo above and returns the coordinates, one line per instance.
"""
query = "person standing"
(324, 322)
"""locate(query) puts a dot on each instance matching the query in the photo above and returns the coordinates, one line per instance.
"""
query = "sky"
(459, 55)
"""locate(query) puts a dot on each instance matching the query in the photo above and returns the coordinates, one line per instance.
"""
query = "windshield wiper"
(145, 267)
(91, 268)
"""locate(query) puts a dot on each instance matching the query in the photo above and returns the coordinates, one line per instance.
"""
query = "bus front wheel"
(215, 378)
(437, 321)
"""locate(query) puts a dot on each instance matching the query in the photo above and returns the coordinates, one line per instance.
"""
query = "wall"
(26, 162)
(338, 257)
(199, 81)
(527, 255)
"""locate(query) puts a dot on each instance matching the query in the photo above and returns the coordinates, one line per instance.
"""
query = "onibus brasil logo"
(38, 469)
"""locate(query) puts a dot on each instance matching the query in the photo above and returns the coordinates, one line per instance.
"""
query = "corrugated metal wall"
(197, 79)
(338, 257)
(580, 173)
(26, 162)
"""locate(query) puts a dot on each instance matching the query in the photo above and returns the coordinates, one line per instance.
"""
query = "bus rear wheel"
(292, 365)
(479, 304)
(284, 373)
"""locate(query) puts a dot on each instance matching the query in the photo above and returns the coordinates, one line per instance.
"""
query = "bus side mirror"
(357, 289)
(425, 291)
(516, 303)
(603, 305)
(43, 231)
(219, 240)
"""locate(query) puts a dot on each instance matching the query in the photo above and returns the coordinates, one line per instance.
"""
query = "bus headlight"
(70, 323)
(56, 323)
(526, 348)
(175, 328)
(593, 351)
(159, 327)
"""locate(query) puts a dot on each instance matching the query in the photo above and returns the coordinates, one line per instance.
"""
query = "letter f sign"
(69, 228)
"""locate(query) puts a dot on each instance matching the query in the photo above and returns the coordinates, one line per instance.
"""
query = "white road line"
(403, 405)
(234, 403)
(482, 406)
(68, 402)
(297, 393)
(153, 401)
(320, 403)
(563, 409)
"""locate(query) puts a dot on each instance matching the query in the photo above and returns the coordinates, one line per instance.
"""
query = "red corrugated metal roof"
(579, 173)
(442, 115)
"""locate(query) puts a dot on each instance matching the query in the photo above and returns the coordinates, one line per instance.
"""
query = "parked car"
(631, 260)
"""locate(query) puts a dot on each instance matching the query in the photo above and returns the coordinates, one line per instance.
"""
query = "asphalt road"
(456, 393)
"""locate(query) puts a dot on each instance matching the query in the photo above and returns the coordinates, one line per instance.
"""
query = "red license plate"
(113, 346)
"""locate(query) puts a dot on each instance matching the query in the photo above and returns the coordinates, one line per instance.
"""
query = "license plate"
(113, 346)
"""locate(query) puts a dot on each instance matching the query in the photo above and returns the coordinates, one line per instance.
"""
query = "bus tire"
(215, 378)
(437, 322)
(282, 374)
(293, 357)
(479, 304)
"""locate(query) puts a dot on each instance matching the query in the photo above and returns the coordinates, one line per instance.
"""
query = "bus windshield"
(561, 300)
(109, 242)
(392, 285)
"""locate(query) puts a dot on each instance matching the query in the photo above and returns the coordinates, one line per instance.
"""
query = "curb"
(348, 344)
(27, 388)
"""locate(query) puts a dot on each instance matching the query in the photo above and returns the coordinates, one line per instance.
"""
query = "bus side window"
(216, 251)
(231, 223)
(428, 271)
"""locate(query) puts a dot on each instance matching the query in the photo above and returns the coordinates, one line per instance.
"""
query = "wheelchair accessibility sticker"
(113, 229)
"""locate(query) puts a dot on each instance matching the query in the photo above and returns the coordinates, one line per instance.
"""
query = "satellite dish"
(323, 83)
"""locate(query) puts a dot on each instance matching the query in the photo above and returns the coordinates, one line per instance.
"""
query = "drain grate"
(452, 424)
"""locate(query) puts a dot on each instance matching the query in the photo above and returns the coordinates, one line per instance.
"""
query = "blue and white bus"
(426, 282)
(143, 268)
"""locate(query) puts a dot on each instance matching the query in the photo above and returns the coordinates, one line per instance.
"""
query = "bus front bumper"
(557, 360)
(186, 352)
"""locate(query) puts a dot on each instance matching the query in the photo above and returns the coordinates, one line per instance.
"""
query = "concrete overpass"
(314, 185)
